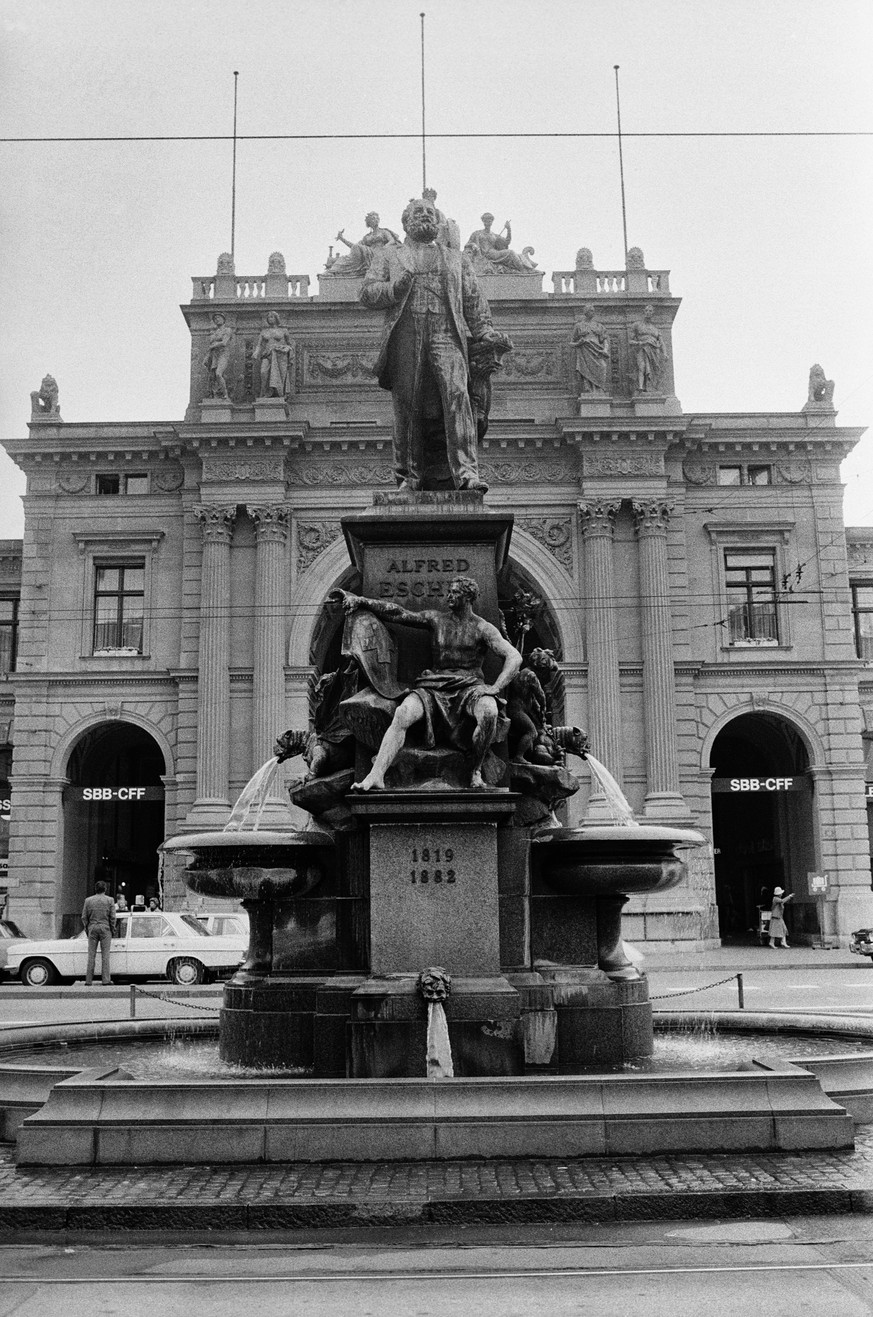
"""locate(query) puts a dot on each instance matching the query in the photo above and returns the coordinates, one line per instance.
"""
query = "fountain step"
(106, 1118)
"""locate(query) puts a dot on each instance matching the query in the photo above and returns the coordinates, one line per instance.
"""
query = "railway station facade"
(165, 613)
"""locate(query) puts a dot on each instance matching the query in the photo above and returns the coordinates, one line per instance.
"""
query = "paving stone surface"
(306, 1195)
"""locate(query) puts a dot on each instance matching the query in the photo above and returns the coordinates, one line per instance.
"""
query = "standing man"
(434, 304)
(98, 919)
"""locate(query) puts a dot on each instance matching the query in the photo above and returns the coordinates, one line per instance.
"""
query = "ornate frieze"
(534, 365)
(216, 522)
(339, 473)
(526, 473)
(554, 533)
(340, 366)
(243, 468)
(313, 537)
(608, 465)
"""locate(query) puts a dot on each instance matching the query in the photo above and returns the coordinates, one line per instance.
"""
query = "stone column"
(269, 717)
(604, 695)
(663, 799)
(213, 685)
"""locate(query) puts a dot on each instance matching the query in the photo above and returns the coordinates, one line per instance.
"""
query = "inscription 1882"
(439, 856)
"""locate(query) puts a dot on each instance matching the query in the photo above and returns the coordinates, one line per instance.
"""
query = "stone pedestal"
(434, 900)
(268, 1024)
(600, 1023)
(271, 409)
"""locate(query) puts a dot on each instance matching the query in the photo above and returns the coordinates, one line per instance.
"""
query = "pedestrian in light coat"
(778, 930)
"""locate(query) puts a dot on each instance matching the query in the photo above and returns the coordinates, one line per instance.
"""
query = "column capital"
(598, 516)
(216, 521)
(651, 515)
(271, 521)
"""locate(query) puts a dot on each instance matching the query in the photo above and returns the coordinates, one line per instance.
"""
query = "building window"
(119, 594)
(750, 579)
(8, 633)
(111, 484)
(758, 474)
(862, 614)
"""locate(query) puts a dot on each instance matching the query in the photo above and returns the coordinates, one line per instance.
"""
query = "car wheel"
(185, 971)
(38, 973)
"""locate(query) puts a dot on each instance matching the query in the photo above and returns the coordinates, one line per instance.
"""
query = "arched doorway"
(113, 817)
(762, 819)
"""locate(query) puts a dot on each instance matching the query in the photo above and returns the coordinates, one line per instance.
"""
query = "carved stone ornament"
(533, 365)
(651, 514)
(860, 551)
(74, 482)
(554, 534)
(700, 473)
(598, 516)
(793, 473)
(635, 259)
(216, 523)
(821, 389)
(243, 468)
(526, 473)
(584, 259)
(169, 480)
(341, 366)
(271, 521)
(44, 405)
(633, 464)
(338, 473)
(313, 537)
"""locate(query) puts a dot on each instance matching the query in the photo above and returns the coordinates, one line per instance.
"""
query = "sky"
(767, 238)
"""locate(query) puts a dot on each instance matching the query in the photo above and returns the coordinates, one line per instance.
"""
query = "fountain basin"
(611, 860)
(253, 866)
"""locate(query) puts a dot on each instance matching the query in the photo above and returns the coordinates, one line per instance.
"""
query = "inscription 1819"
(430, 856)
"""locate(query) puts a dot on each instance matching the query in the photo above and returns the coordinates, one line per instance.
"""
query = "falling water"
(253, 797)
(439, 1047)
(621, 811)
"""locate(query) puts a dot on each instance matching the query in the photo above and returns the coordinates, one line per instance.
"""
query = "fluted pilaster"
(213, 689)
(604, 695)
(651, 517)
(268, 721)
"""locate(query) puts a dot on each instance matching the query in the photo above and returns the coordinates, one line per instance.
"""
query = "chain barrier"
(686, 992)
(136, 991)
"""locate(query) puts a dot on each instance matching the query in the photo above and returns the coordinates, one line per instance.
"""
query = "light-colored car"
(227, 924)
(9, 932)
(147, 945)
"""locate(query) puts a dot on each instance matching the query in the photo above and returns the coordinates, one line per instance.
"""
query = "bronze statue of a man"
(451, 697)
(434, 305)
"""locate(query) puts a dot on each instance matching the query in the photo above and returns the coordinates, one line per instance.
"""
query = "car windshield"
(194, 924)
(9, 929)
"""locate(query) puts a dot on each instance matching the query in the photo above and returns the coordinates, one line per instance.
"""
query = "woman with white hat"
(777, 920)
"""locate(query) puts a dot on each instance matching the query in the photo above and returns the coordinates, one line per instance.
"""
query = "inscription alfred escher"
(420, 578)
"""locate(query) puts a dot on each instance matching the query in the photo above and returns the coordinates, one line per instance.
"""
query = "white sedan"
(148, 945)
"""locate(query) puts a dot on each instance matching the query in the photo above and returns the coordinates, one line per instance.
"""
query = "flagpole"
(423, 137)
(621, 164)
(233, 175)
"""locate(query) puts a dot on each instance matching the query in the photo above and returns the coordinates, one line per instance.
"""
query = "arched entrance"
(113, 817)
(762, 818)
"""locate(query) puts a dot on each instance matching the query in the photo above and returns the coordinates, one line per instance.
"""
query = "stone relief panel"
(537, 367)
(74, 482)
(860, 552)
(555, 534)
(793, 473)
(356, 474)
(699, 473)
(527, 473)
(169, 479)
(624, 464)
(313, 537)
(338, 367)
(243, 468)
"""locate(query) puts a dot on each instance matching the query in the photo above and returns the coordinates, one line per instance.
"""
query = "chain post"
(741, 1000)
(133, 1001)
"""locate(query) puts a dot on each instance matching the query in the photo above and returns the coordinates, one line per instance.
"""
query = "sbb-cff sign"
(763, 785)
(106, 795)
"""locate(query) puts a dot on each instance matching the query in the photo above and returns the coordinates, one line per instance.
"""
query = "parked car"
(9, 931)
(227, 924)
(862, 942)
(146, 945)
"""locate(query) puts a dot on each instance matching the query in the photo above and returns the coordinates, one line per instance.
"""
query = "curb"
(259, 1219)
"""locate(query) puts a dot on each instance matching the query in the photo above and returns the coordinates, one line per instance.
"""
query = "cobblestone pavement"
(305, 1195)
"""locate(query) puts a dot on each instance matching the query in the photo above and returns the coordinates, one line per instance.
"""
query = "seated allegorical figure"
(44, 400)
(491, 253)
(360, 254)
(451, 700)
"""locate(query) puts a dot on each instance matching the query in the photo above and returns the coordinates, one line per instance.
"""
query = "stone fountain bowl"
(604, 859)
(253, 866)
